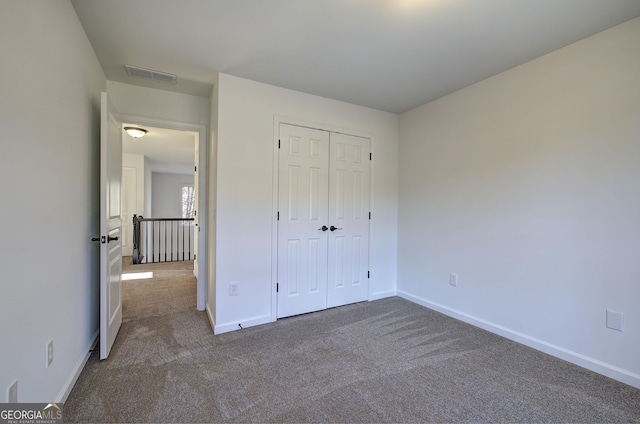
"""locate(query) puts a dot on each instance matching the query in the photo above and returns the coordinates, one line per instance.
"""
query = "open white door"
(110, 227)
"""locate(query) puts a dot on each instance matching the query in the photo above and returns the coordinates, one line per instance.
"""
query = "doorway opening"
(164, 197)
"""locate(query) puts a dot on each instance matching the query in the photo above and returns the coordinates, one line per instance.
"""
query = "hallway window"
(188, 201)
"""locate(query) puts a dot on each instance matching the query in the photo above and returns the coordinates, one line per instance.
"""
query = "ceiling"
(391, 55)
(169, 151)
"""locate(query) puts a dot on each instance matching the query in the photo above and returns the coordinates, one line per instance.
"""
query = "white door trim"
(277, 120)
(203, 181)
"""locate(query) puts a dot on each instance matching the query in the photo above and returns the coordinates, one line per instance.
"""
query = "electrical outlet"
(453, 280)
(615, 320)
(49, 353)
(233, 289)
(12, 392)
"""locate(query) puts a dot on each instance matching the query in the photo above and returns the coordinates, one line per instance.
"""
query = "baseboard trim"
(77, 370)
(584, 361)
(382, 295)
(246, 323)
(212, 321)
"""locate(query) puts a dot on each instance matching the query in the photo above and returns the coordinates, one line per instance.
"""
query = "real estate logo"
(31, 413)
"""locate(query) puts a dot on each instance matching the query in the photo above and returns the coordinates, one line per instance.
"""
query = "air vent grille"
(134, 71)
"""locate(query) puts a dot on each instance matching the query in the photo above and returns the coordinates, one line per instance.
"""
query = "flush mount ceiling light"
(135, 132)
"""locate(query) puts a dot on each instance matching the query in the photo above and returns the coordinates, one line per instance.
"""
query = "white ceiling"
(391, 55)
(166, 150)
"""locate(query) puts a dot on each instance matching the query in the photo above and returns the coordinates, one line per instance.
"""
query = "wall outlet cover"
(615, 320)
(453, 280)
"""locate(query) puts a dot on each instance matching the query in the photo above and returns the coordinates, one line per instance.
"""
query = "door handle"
(332, 228)
(110, 239)
(323, 228)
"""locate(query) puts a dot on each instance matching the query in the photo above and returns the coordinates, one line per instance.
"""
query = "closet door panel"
(349, 169)
(302, 205)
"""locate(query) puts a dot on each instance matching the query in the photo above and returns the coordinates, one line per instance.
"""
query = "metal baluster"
(146, 242)
(153, 242)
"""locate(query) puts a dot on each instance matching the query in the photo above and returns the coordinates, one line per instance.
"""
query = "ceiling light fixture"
(135, 132)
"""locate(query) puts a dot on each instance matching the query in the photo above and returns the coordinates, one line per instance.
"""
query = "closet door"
(302, 205)
(348, 256)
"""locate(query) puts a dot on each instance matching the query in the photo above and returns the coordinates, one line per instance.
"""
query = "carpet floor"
(383, 361)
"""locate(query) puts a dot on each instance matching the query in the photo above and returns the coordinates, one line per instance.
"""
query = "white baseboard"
(589, 363)
(77, 370)
(212, 320)
(382, 295)
(249, 322)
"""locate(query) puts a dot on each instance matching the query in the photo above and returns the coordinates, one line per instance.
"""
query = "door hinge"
(277, 288)
(278, 144)
(195, 169)
(278, 215)
(369, 215)
(370, 155)
(368, 274)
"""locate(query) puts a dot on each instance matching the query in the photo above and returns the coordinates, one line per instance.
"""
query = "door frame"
(203, 192)
(280, 119)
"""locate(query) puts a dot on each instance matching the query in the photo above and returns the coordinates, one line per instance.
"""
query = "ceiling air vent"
(151, 75)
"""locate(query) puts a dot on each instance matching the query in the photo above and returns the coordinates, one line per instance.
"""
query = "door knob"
(323, 228)
(110, 239)
(332, 228)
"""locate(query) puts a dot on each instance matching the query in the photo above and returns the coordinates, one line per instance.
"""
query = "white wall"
(138, 162)
(527, 185)
(175, 240)
(166, 198)
(158, 104)
(213, 202)
(49, 136)
(245, 149)
(148, 188)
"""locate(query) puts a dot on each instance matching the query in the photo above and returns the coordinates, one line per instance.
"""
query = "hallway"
(164, 289)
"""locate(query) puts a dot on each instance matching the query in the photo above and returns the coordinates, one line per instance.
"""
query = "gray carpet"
(383, 361)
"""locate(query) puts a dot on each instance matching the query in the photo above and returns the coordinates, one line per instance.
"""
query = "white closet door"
(348, 263)
(302, 203)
